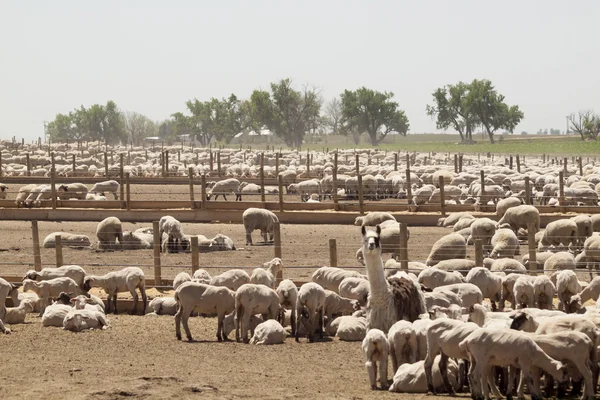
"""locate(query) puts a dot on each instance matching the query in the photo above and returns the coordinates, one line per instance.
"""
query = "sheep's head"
(64, 188)
(28, 305)
(371, 240)
(64, 298)
(79, 302)
(522, 321)
(28, 284)
(31, 274)
(573, 305)
(88, 283)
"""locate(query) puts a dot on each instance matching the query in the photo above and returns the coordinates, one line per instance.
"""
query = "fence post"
(478, 253)
(210, 160)
(403, 246)
(219, 163)
(460, 163)
(53, 187)
(482, 198)
(333, 262)
(277, 239)
(262, 177)
(1, 173)
(395, 161)
(74, 165)
(127, 192)
(334, 195)
(28, 165)
(527, 191)
(203, 191)
(510, 162)
(121, 177)
(157, 244)
(565, 163)
(408, 187)
(561, 188)
(518, 164)
(191, 176)
(442, 196)
(280, 184)
(361, 204)
(308, 163)
(106, 164)
(532, 249)
(59, 256)
(37, 257)
(195, 257)
(580, 166)
(455, 163)
(276, 164)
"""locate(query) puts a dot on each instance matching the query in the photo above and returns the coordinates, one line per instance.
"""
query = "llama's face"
(371, 239)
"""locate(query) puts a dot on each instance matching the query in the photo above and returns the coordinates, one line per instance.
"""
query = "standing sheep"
(251, 299)
(450, 246)
(523, 292)
(126, 280)
(310, 309)
(288, 299)
(567, 285)
(373, 218)
(520, 216)
(50, 289)
(74, 272)
(505, 204)
(106, 187)
(560, 232)
(402, 341)
(504, 244)
(232, 279)
(484, 229)
(109, 230)
(376, 349)
(72, 191)
(489, 283)
(543, 292)
(258, 218)
(224, 187)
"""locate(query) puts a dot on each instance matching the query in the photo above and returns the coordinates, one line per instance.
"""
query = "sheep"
(72, 191)
(224, 187)
(355, 289)
(258, 218)
(458, 265)
(67, 239)
(463, 223)
(330, 277)
(469, 294)
(520, 217)
(402, 341)
(505, 204)
(591, 248)
(310, 307)
(229, 323)
(126, 280)
(175, 236)
(74, 272)
(37, 193)
(23, 193)
(410, 378)
(442, 298)
(584, 228)
(348, 328)
(543, 292)
(336, 305)
(108, 231)
(79, 320)
(453, 218)
(489, 283)
(376, 349)
(51, 288)
(137, 241)
(180, 279)
(268, 332)
(16, 315)
(591, 291)
(434, 277)
(373, 218)
(454, 311)
(484, 229)
(523, 292)
(267, 277)
(487, 347)
(567, 285)
(504, 244)
(507, 265)
(480, 315)
(33, 298)
(560, 232)
(95, 197)
(448, 247)
(288, 298)
(251, 299)
(205, 299)
(202, 276)
(106, 187)
(558, 262)
(232, 279)
(55, 314)
(540, 258)
(162, 306)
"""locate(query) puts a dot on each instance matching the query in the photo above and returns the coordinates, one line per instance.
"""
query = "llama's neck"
(375, 273)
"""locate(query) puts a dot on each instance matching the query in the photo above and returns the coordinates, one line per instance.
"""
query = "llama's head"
(371, 243)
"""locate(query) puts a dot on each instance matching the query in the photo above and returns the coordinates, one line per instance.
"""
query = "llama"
(391, 299)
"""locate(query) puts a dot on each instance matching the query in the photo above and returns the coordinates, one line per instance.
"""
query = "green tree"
(61, 128)
(228, 119)
(287, 112)
(366, 110)
(450, 110)
(490, 109)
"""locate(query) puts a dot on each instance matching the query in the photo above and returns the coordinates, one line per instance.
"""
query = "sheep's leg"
(178, 322)
(248, 237)
(432, 351)
(383, 369)
(220, 319)
(224, 198)
(245, 327)
(444, 372)
(371, 369)
(264, 235)
(185, 317)
(395, 357)
(321, 323)
(491, 381)
(115, 302)
(293, 322)
(144, 297)
(108, 304)
(487, 376)
(239, 312)
(135, 301)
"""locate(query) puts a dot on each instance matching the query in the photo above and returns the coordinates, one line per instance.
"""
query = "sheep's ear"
(363, 230)
(73, 300)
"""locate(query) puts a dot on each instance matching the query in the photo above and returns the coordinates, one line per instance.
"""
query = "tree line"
(290, 112)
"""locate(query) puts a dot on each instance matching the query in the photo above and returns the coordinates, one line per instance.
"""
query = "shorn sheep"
(520, 217)
(72, 191)
(410, 378)
(232, 279)
(74, 272)
(376, 349)
(51, 288)
(268, 332)
(126, 280)
(106, 187)
(67, 240)
(79, 320)
(330, 277)
(288, 299)
(310, 309)
(402, 340)
(373, 218)
(448, 247)
(251, 299)
(109, 230)
(261, 219)
(16, 315)
(175, 237)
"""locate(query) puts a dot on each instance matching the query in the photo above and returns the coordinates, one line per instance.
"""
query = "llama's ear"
(363, 230)
(378, 230)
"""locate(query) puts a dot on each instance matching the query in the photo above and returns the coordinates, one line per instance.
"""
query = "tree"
(586, 123)
(287, 112)
(333, 115)
(61, 128)
(139, 126)
(490, 109)
(451, 110)
(366, 110)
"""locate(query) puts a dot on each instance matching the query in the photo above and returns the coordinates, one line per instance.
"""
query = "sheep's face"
(573, 305)
(31, 275)
(371, 240)
(63, 188)
(522, 322)
(63, 298)
(88, 283)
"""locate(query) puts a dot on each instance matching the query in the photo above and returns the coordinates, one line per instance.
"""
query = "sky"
(152, 56)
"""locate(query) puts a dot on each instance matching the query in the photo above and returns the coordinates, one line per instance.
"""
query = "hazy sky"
(152, 56)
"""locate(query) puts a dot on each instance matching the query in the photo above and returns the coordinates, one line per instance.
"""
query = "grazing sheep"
(410, 378)
(584, 228)
(106, 187)
(268, 332)
(204, 299)
(402, 341)
(335, 305)
(560, 232)
(591, 291)
(223, 188)
(507, 265)
(376, 349)
(484, 229)
(251, 299)
(540, 258)
(489, 283)
(310, 309)
(523, 292)
(23, 194)
(543, 292)
(288, 299)
(126, 280)
(176, 241)
(373, 218)
(591, 248)
(180, 279)
(16, 315)
(51, 288)
(108, 231)
(567, 285)
(469, 294)
(519, 217)
(559, 261)
(330, 277)
(355, 289)
(434, 277)
(202, 276)
(72, 191)
(504, 244)
(74, 272)
(79, 320)
(162, 306)
(453, 218)
(505, 204)
(258, 218)
(67, 239)
(448, 247)
(463, 223)
(442, 298)
(232, 279)
(462, 266)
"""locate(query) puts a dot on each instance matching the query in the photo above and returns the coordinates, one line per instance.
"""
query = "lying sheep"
(106, 187)
(288, 299)
(51, 288)
(258, 218)
(373, 218)
(16, 315)
(268, 332)
(310, 309)
(330, 277)
(32, 298)
(434, 277)
(79, 320)
(355, 289)
(520, 217)
(76, 191)
(402, 341)
(67, 239)
(348, 328)
(232, 279)
(74, 272)
(410, 378)
(109, 231)
(448, 247)
(126, 280)
(463, 223)
(55, 314)
(251, 299)
(504, 244)
(162, 306)
(376, 349)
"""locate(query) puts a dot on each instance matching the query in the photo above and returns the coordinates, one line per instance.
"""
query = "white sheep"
(505, 204)
(33, 298)
(109, 230)
(336, 305)
(202, 276)
(67, 239)
(162, 306)
(434, 277)
(543, 292)
(348, 328)
(268, 276)
(310, 309)
(373, 218)
(126, 280)
(458, 265)
(402, 341)
(520, 217)
(23, 194)
(175, 237)
(584, 228)
(484, 229)
(74, 272)
(453, 218)
(223, 188)
(232, 279)
(410, 378)
(205, 299)
(560, 232)
(376, 349)
(137, 241)
(268, 332)
(16, 315)
(442, 298)
(469, 294)
(55, 314)
(180, 279)
(504, 243)
(79, 320)
(355, 289)
(560, 261)
(489, 283)
(288, 299)
(523, 292)
(229, 323)
(51, 288)
(251, 299)
(480, 315)
(106, 187)
(258, 218)
(72, 191)
(330, 277)
(506, 265)
(567, 285)
(448, 247)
